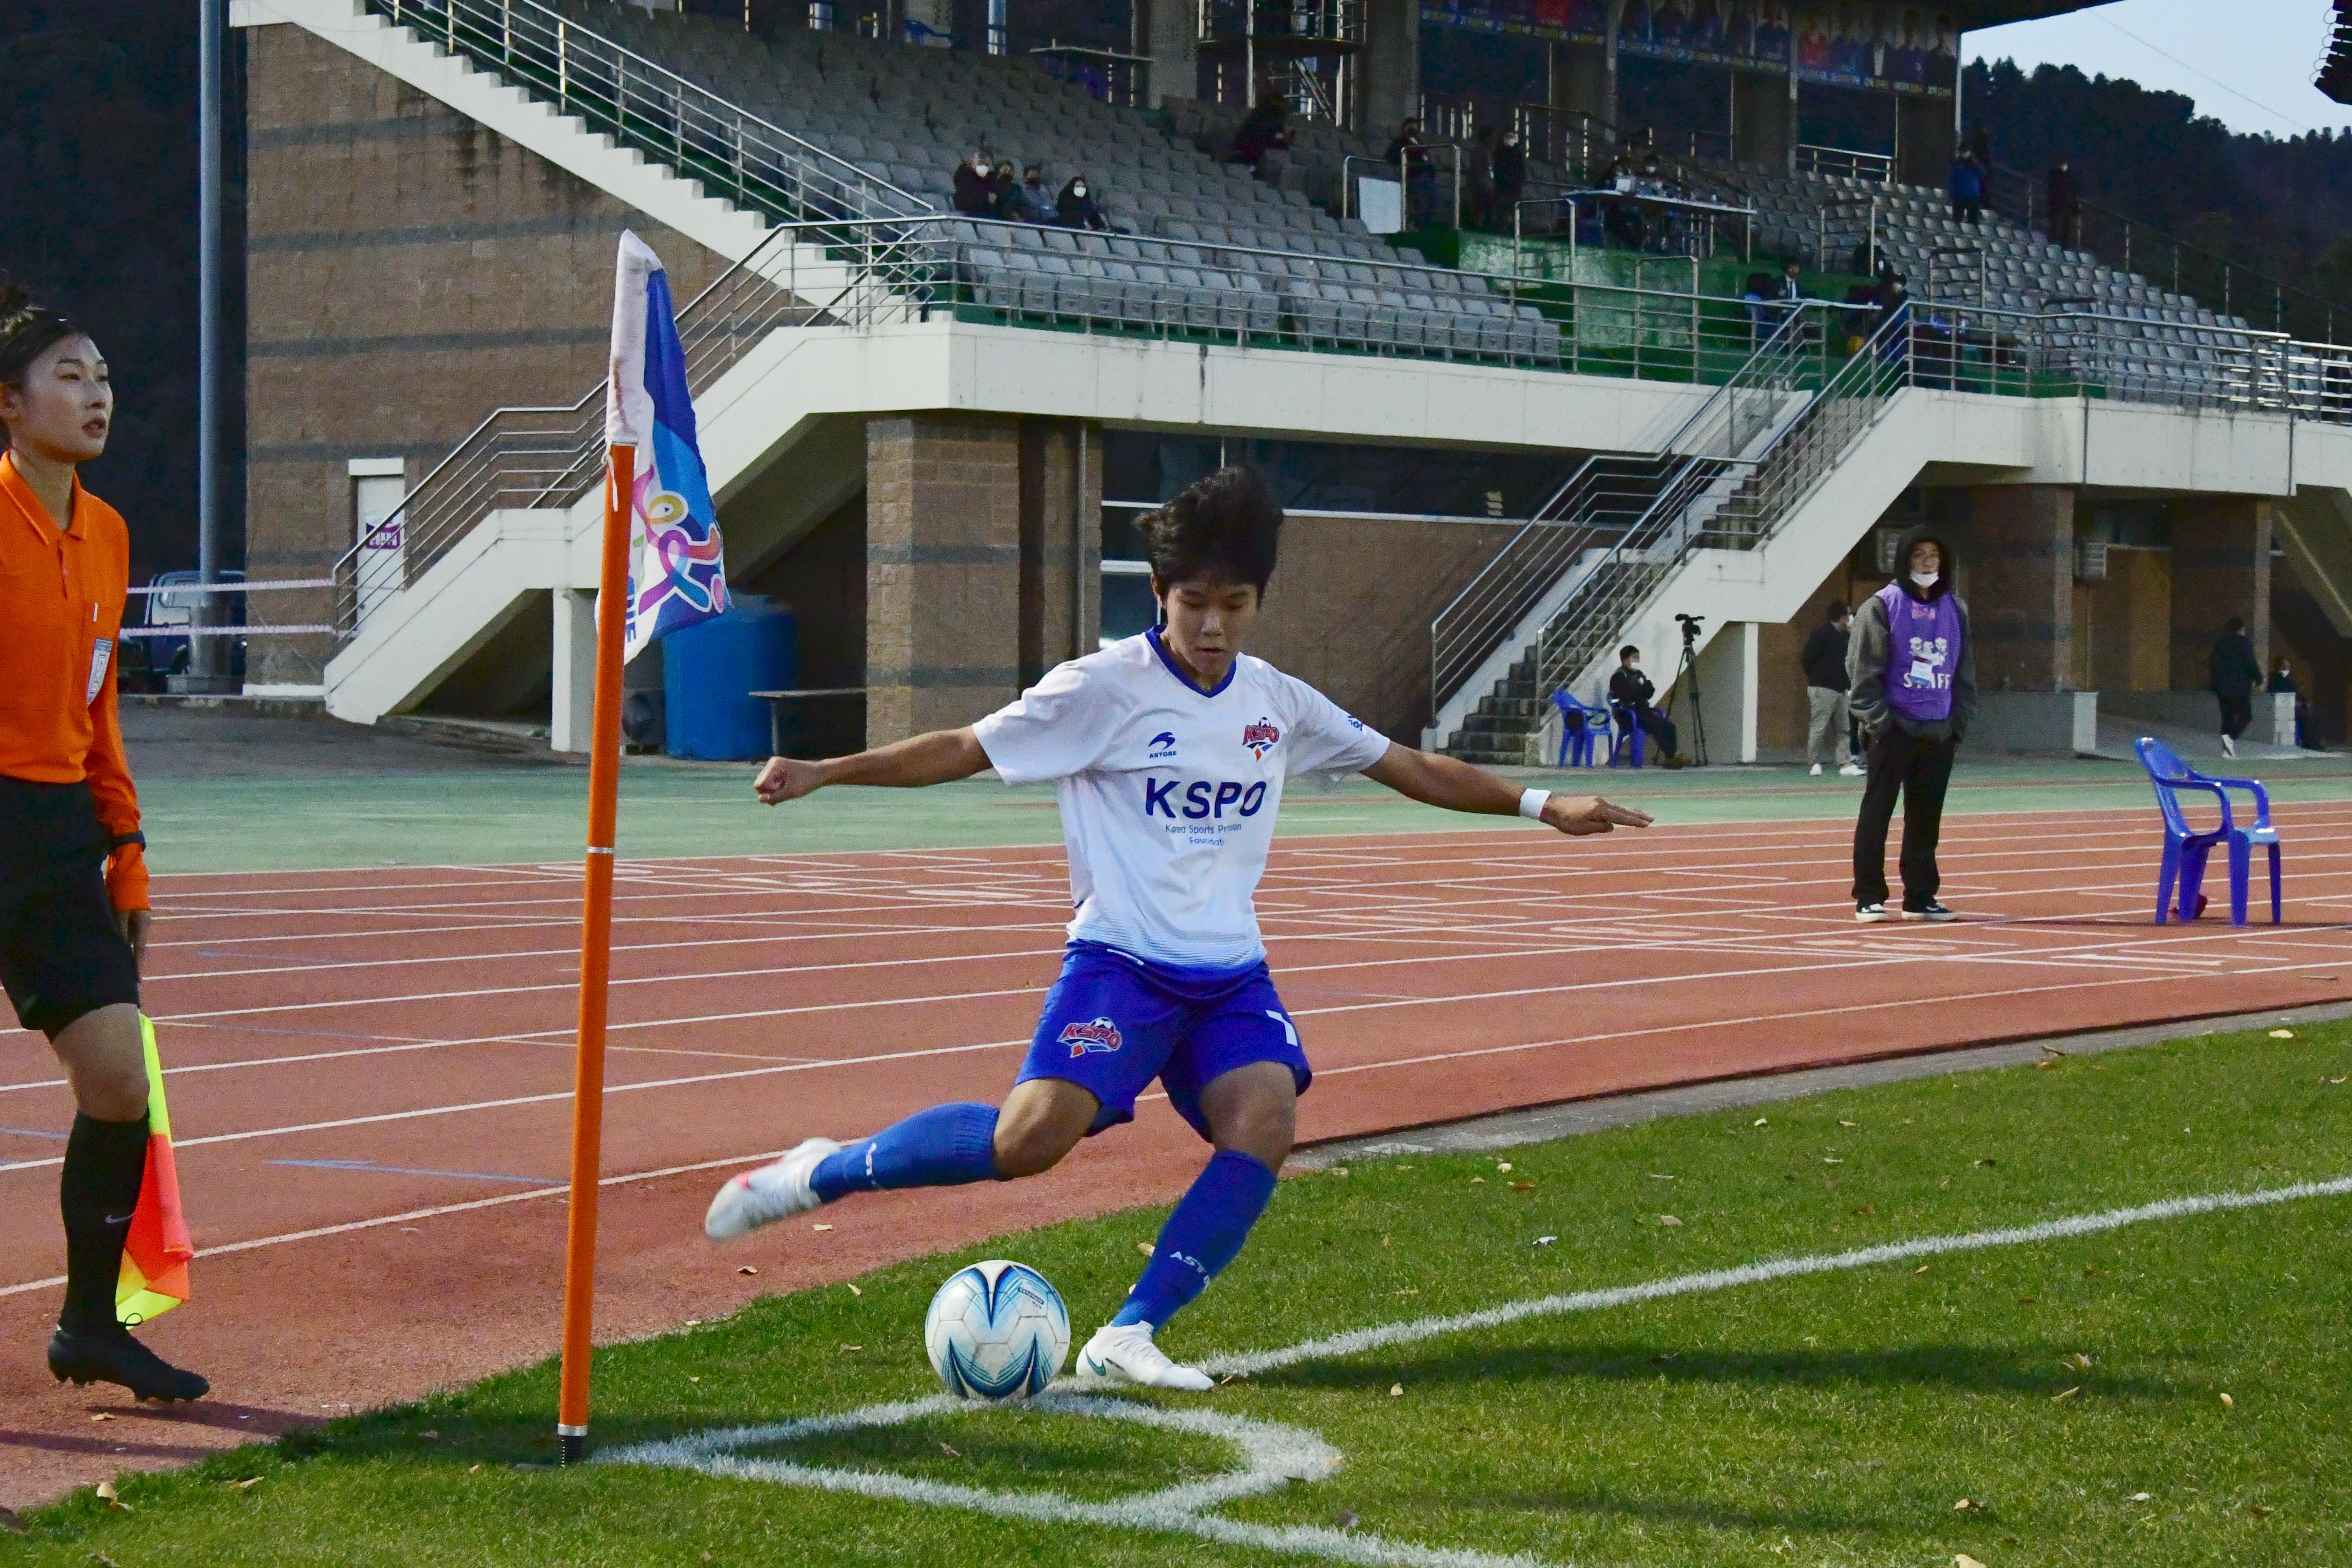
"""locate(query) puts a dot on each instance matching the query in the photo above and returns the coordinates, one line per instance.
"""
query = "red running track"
(370, 1070)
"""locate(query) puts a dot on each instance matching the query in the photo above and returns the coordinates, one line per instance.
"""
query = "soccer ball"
(996, 1331)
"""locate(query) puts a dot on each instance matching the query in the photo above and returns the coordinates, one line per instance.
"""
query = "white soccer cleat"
(775, 1191)
(1816, 772)
(1125, 1351)
(1853, 771)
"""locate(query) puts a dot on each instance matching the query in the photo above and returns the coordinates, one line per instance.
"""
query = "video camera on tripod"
(1690, 624)
(1686, 680)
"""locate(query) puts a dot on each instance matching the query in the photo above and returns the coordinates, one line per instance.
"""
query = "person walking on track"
(1912, 673)
(73, 879)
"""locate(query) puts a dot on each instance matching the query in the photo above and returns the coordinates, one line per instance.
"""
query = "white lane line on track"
(411, 1215)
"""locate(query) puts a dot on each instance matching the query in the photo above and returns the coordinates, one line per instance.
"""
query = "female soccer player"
(1169, 752)
(73, 882)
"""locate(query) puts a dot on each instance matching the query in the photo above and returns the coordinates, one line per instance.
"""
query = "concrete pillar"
(1763, 121)
(1584, 79)
(1061, 543)
(571, 710)
(1391, 64)
(1169, 31)
(1925, 140)
(2221, 567)
(2019, 558)
(942, 571)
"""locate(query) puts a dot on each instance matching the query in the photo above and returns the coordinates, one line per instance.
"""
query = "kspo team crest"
(1100, 1034)
(1259, 737)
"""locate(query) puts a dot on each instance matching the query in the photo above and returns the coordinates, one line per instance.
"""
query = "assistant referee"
(73, 879)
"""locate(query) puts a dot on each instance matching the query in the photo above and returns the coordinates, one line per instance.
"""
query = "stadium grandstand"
(1533, 380)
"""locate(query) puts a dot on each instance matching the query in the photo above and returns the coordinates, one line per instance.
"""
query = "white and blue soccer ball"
(997, 1330)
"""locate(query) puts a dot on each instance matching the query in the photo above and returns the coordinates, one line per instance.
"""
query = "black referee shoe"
(111, 1356)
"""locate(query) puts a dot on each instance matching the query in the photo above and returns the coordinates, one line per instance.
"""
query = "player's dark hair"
(1226, 526)
(28, 329)
(1628, 651)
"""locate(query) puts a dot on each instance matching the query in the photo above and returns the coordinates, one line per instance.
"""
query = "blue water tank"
(711, 668)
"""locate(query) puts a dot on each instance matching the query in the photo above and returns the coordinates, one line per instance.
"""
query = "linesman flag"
(156, 1253)
(678, 567)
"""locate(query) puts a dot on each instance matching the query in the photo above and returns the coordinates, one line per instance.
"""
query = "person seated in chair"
(974, 197)
(1077, 207)
(1631, 689)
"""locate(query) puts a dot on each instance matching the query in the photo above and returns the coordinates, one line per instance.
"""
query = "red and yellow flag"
(156, 1254)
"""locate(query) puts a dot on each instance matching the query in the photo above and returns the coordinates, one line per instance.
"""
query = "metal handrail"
(730, 150)
(1607, 491)
(1852, 163)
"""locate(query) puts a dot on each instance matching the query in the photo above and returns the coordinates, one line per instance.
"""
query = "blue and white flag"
(677, 565)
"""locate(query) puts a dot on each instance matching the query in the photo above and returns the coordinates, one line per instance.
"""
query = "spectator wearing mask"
(2231, 673)
(1630, 689)
(1036, 201)
(1266, 129)
(973, 196)
(1077, 207)
(2064, 204)
(1967, 185)
(1412, 157)
(1911, 672)
(1510, 177)
(1004, 192)
(1828, 732)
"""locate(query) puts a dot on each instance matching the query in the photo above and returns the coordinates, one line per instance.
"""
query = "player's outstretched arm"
(937, 758)
(1456, 785)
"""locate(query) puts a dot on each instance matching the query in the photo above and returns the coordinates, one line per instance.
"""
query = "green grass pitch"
(2176, 1392)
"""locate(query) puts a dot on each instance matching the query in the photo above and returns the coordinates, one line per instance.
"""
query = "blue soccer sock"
(1205, 1233)
(946, 1146)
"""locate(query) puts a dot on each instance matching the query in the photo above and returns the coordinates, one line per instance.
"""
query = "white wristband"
(1531, 803)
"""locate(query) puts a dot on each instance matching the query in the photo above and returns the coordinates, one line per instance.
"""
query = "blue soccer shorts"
(1113, 1022)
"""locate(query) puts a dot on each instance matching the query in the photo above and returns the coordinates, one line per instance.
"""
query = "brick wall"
(1349, 609)
(406, 271)
(2020, 563)
(2220, 568)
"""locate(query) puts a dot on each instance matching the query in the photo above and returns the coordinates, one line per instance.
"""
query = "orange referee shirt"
(61, 597)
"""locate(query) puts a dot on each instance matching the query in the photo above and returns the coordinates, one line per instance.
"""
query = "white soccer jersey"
(1169, 792)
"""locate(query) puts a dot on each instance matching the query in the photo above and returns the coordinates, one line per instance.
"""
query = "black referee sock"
(105, 1164)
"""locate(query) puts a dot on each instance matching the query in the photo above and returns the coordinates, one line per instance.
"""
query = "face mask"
(1510, 141)
(1926, 579)
(1633, 666)
(1077, 190)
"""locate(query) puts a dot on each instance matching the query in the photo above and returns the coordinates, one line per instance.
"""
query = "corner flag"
(156, 1254)
(678, 568)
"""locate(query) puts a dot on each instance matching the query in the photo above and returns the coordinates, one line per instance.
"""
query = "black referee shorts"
(60, 954)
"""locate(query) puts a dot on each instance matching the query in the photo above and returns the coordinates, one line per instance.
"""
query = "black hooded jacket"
(1867, 656)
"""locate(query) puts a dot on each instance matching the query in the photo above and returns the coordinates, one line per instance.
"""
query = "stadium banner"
(158, 1249)
(678, 562)
(1907, 49)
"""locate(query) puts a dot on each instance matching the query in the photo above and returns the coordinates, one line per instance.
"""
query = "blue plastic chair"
(1631, 737)
(2185, 849)
(1576, 738)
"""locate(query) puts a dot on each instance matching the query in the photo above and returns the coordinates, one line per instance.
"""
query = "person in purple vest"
(1912, 674)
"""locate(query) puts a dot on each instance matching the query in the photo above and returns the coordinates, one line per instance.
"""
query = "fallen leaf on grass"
(2078, 1361)
(854, 1290)
(2282, 1033)
(2026, 1301)
(1338, 1170)
(2141, 1497)
(1669, 1221)
(851, 1347)
(430, 1435)
(2334, 1081)
(1523, 1186)
(1865, 1208)
(107, 1495)
(1477, 1181)
(1761, 1122)
(1968, 1505)
(1995, 1162)
(1663, 1357)
(1921, 1269)
(1407, 1291)
(1962, 1560)
(1503, 1165)
(820, 1227)
(2066, 1393)
(951, 1453)
(1545, 1241)
(1144, 1248)
(747, 1268)
(1396, 1391)
(692, 1378)
(1832, 1159)
(1660, 1176)
(2260, 1510)
(1388, 1241)
(694, 1323)
(473, 1470)
(1848, 1124)
(2228, 1402)
(247, 1484)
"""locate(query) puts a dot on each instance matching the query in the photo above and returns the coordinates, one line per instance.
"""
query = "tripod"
(1688, 668)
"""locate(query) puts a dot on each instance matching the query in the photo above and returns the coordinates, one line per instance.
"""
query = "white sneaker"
(775, 1191)
(1853, 771)
(1124, 1350)
(1871, 914)
(2229, 747)
(1815, 771)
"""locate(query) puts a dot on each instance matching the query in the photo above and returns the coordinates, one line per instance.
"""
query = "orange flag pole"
(595, 960)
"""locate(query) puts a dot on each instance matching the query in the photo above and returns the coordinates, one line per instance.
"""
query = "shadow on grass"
(1976, 1369)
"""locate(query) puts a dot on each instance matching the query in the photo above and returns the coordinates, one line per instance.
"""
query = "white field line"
(1273, 1455)
(1355, 1342)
